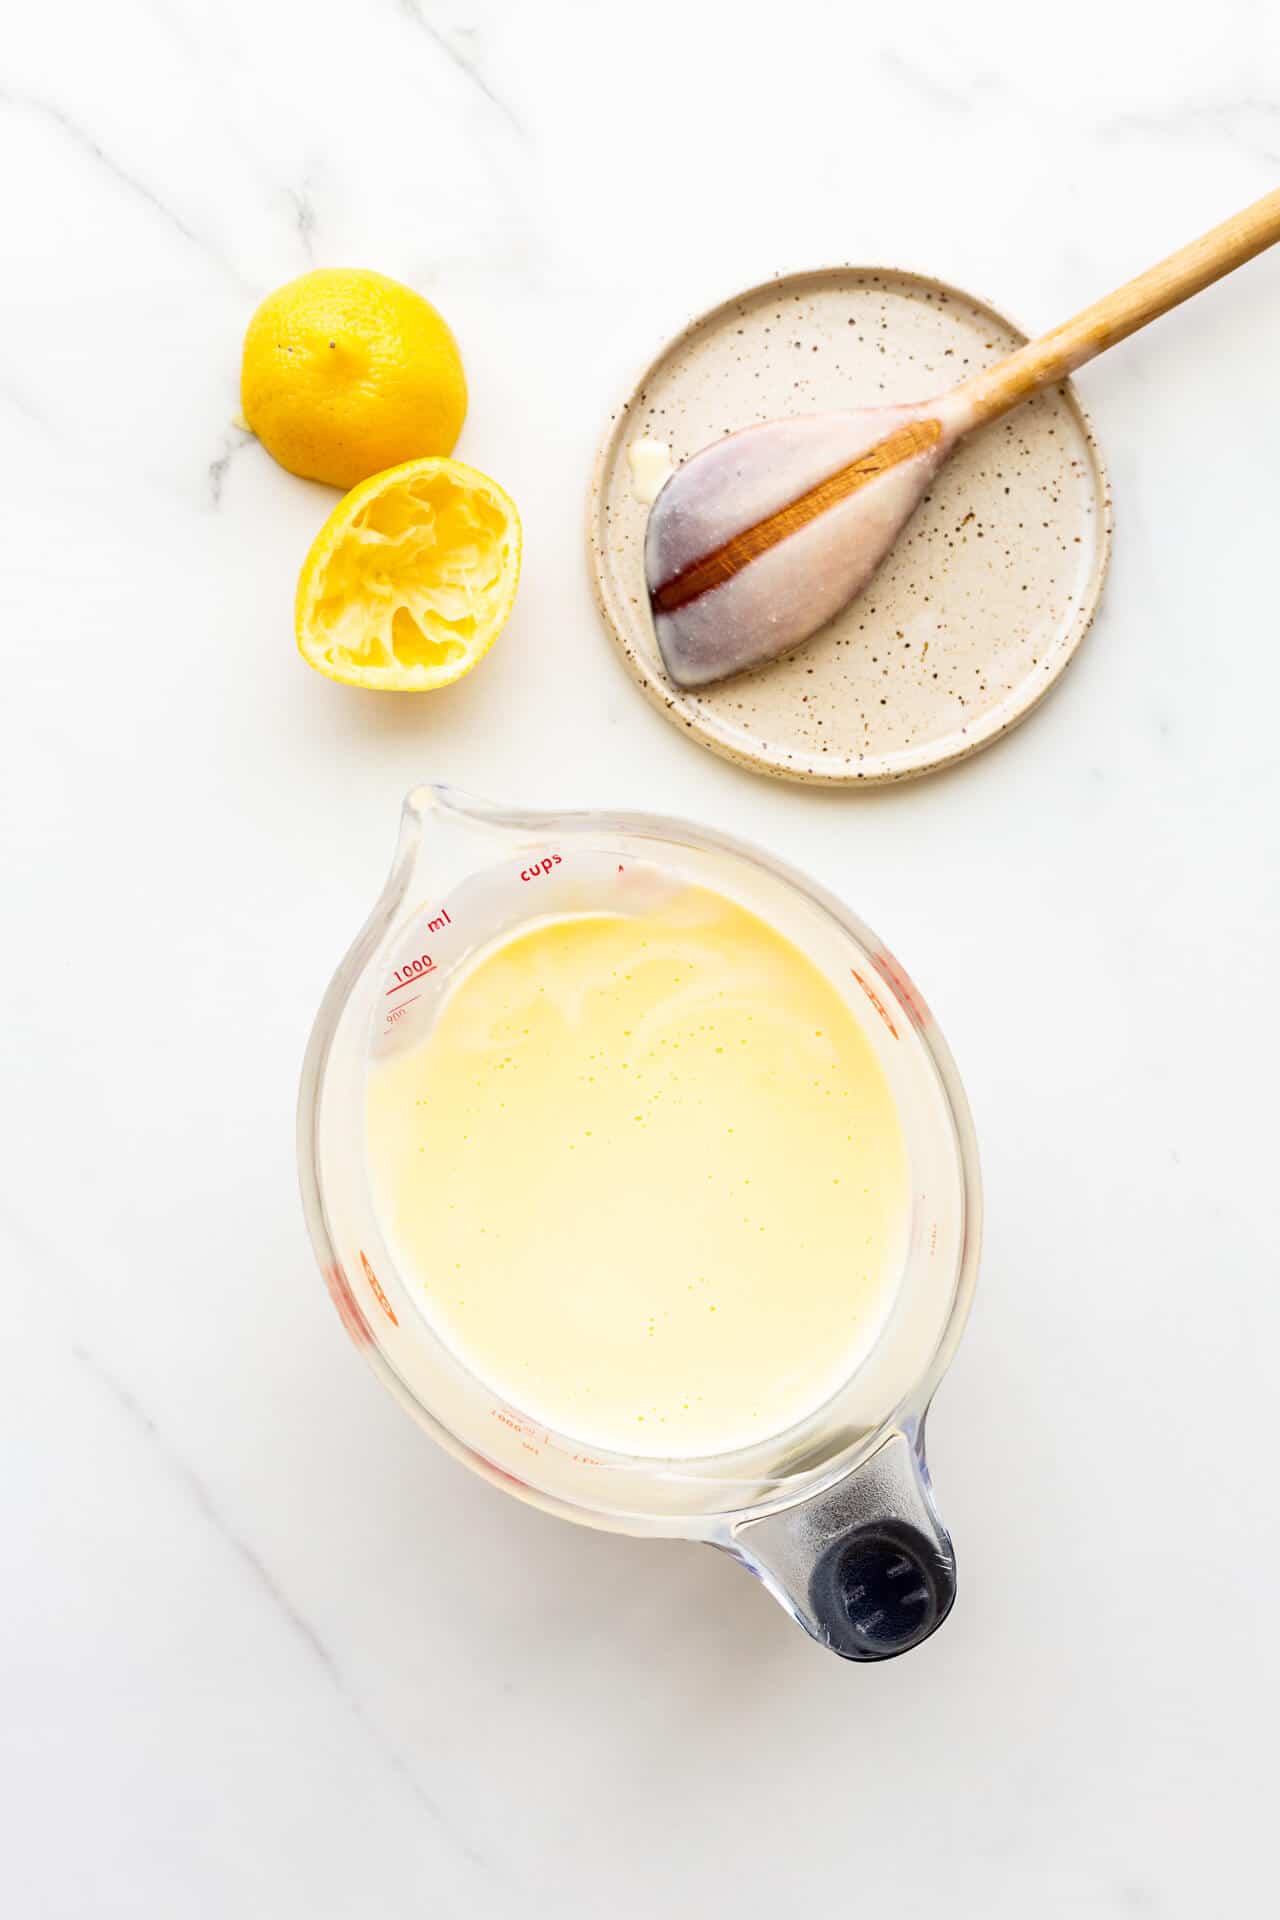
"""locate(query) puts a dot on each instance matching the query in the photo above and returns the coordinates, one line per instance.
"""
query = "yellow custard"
(648, 1178)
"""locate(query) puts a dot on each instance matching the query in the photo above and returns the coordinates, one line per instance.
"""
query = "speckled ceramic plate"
(979, 607)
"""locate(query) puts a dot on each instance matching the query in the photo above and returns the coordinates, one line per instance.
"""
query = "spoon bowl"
(760, 539)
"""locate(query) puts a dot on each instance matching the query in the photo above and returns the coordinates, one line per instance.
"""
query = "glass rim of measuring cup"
(778, 1469)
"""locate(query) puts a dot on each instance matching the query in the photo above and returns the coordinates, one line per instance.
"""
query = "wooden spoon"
(757, 541)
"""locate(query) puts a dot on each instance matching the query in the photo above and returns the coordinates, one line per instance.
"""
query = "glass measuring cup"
(835, 1516)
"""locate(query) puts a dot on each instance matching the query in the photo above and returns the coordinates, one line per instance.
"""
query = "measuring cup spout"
(446, 834)
(867, 1567)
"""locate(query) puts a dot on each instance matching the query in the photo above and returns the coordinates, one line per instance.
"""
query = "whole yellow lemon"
(346, 373)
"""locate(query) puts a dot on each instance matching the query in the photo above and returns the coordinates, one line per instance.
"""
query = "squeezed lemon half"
(411, 578)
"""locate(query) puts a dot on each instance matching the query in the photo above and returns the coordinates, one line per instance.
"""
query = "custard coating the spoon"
(759, 540)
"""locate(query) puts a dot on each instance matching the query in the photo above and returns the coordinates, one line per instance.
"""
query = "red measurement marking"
(379, 1295)
(540, 867)
(875, 1000)
(348, 1309)
(412, 981)
(906, 989)
(499, 1473)
(395, 1012)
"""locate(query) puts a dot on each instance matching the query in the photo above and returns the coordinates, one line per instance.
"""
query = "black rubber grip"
(881, 1589)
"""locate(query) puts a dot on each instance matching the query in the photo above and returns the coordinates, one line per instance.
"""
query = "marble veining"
(92, 149)
(461, 50)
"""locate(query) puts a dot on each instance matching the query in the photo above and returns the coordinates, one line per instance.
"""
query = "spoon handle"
(1043, 362)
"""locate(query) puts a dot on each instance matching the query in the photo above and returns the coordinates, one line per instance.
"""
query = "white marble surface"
(264, 1650)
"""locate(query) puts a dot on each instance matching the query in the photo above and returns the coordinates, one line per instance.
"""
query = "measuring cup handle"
(866, 1567)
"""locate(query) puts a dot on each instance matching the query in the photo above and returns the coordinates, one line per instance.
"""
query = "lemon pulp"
(411, 578)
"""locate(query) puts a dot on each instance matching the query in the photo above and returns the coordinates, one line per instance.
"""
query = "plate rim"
(910, 763)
